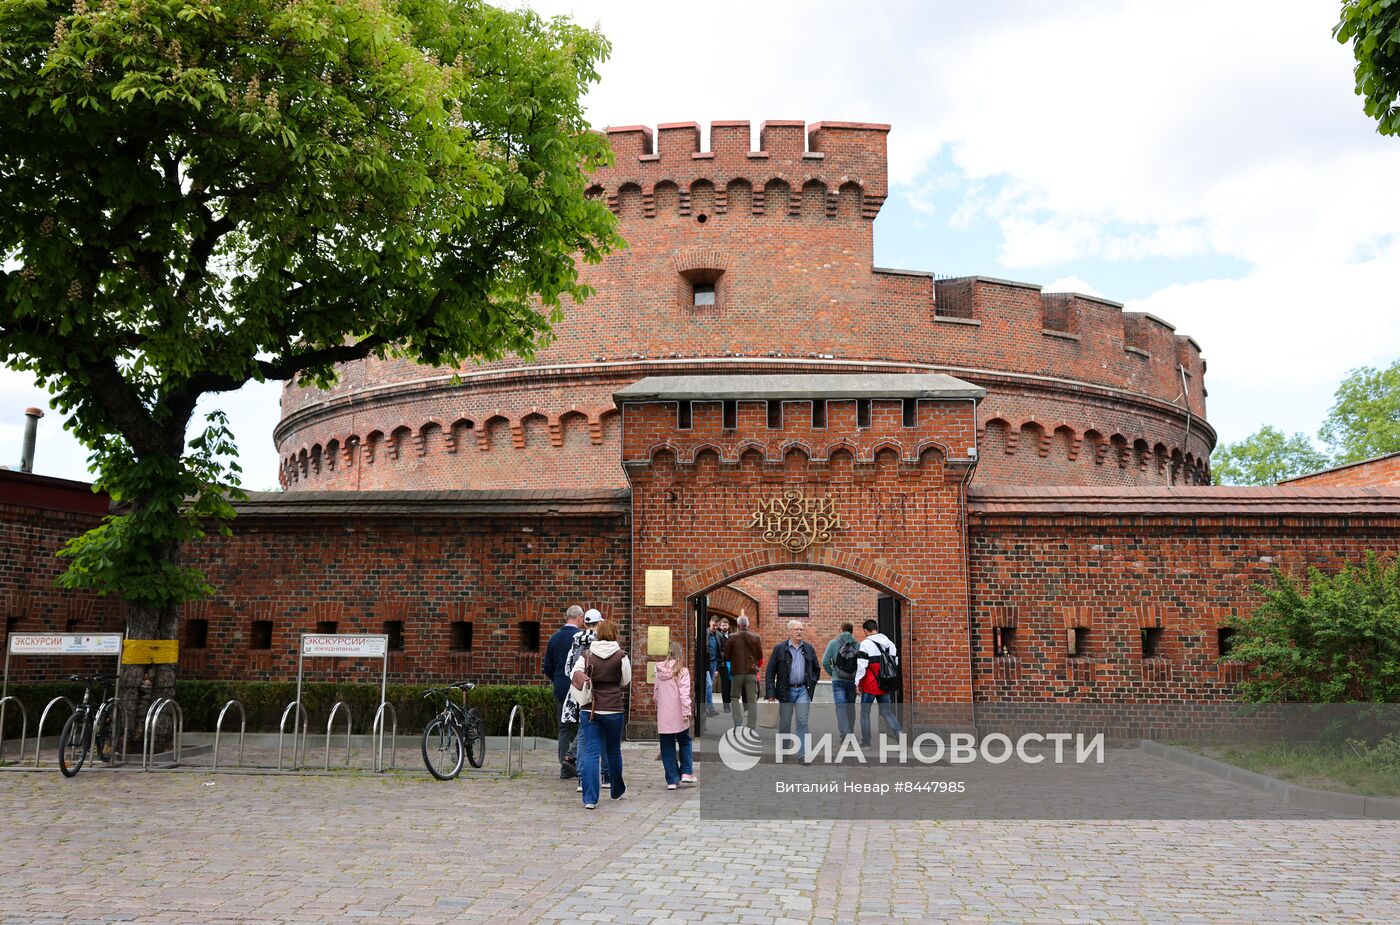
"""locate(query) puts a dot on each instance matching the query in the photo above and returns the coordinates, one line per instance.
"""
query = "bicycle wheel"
(442, 749)
(476, 738)
(104, 736)
(73, 744)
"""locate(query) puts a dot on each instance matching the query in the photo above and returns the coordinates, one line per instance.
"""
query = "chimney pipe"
(31, 431)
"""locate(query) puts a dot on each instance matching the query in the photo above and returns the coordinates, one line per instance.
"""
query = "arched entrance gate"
(863, 475)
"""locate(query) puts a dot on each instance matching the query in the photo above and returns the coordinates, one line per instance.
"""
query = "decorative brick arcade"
(882, 460)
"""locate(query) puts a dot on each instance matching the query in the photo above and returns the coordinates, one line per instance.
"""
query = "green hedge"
(264, 702)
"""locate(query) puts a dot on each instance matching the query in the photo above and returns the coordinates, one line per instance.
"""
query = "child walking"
(673, 713)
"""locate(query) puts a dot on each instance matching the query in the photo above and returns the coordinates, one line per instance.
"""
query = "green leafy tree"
(1329, 639)
(1373, 29)
(1365, 419)
(199, 193)
(1265, 457)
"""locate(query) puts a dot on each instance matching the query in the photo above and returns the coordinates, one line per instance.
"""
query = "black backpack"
(845, 659)
(888, 675)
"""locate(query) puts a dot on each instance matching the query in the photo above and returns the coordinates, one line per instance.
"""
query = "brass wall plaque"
(658, 587)
(795, 521)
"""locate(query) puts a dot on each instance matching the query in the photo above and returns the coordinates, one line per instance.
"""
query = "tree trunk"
(143, 685)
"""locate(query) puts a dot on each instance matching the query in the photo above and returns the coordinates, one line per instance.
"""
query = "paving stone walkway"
(398, 848)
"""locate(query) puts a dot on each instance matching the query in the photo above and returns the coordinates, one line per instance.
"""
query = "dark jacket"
(714, 653)
(556, 654)
(743, 651)
(780, 669)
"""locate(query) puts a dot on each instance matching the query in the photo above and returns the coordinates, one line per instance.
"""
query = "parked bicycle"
(90, 725)
(457, 731)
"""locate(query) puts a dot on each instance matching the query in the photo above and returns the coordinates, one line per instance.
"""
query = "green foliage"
(1365, 418)
(1330, 639)
(264, 702)
(1265, 457)
(1373, 28)
(199, 193)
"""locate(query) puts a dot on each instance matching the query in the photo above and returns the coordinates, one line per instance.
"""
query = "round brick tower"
(760, 261)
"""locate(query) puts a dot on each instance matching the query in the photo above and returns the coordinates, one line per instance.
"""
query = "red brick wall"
(1111, 568)
(381, 565)
(37, 516)
(1381, 471)
(788, 234)
(833, 600)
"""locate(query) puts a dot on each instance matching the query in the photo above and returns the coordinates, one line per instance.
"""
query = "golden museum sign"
(796, 522)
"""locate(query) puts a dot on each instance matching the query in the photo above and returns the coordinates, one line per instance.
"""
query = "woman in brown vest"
(603, 671)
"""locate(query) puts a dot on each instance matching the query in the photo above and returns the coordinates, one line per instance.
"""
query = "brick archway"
(725, 469)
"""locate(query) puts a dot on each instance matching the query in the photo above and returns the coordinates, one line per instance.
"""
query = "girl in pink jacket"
(673, 713)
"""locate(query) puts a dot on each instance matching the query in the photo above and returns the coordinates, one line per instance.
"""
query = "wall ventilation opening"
(862, 412)
(196, 634)
(702, 218)
(394, 630)
(731, 415)
(775, 415)
(911, 412)
(819, 413)
(260, 635)
(1079, 642)
(1152, 642)
(1004, 641)
(461, 636)
(1225, 640)
(327, 627)
(683, 415)
(529, 635)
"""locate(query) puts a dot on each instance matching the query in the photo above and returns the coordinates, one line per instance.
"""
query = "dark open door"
(889, 613)
(701, 667)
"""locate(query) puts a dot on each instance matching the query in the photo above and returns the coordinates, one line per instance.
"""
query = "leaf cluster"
(1373, 29)
(1326, 639)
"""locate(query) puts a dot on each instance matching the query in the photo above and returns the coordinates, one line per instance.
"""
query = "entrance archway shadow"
(856, 568)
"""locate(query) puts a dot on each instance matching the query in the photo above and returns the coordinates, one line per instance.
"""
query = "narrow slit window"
(529, 635)
(731, 415)
(818, 413)
(683, 415)
(461, 636)
(862, 412)
(196, 634)
(394, 630)
(1004, 641)
(1079, 642)
(260, 635)
(327, 627)
(911, 412)
(703, 295)
(1225, 640)
(1152, 642)
(775, 415)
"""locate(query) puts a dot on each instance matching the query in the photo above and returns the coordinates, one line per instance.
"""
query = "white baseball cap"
(593, 616)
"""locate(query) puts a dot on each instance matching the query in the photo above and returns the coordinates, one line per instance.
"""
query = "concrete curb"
(1325, 801)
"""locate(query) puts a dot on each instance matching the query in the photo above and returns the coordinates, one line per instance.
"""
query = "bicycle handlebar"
(457, 686)
(92, 679)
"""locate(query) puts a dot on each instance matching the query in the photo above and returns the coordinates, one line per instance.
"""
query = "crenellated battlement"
(836, 168)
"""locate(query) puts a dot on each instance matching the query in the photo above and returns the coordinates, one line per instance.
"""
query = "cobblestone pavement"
(223, 849)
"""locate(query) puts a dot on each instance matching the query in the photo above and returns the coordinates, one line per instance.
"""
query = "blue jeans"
(602, 736)
(671, 742)
(799, 702)
(886, 714)
(581, 741)
(709, 689)
(844, 694)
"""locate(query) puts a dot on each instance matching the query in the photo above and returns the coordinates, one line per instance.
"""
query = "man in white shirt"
(875, 647)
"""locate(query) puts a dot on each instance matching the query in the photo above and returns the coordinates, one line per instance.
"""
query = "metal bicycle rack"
(23, 727)
(242, 730)
(43, 717)
(117, 710)
(300, 719)
(331, 722)
(511, 756)
(152, 720)
(377, 730)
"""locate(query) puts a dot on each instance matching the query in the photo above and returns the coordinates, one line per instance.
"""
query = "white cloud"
(1072, 284)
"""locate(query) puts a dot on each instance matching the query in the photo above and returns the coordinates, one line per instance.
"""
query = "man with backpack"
(840, 662)
(877, 677)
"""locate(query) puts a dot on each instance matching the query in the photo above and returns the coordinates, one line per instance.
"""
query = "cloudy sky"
(1207, 162)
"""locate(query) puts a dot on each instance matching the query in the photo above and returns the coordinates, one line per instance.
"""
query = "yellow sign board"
(651, 672)
(150, 652)
(658, 641)
(658, 587)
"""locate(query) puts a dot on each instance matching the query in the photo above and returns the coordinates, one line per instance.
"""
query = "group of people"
(591, 673)
(793, 671)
